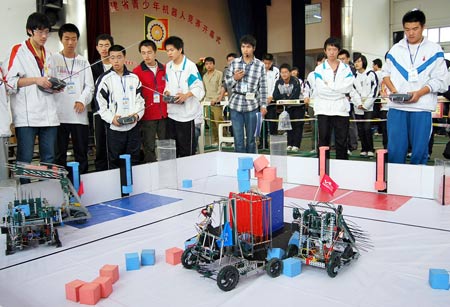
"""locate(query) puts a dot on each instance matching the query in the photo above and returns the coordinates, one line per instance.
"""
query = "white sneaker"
(313, 151)
(370, 154)
(363, 154)
(289, 148)
(349, 152)
(295, 148)
(215, 144)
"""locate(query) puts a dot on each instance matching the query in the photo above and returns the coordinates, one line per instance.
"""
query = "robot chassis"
(225, 253)
(31, 221)
(324, 239)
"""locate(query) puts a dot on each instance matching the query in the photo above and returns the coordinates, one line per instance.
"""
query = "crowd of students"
(132, 108)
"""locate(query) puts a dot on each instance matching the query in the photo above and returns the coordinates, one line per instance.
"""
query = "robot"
(238, 246)
(322, 238)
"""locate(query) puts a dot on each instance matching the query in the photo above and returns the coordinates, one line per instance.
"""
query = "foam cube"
(188, 243)
(187, 183)
(438, 279)
(173, 255)
(245, 162)
(243, 186)
(275, 253)
(132, 261)
(243, 174)
(148, 257)
(90, 293)
(260, 163)
(269, 173)
(268, 186)
(110, 270)
(292, 267)
(105, 285)
(73, 290)
(258, 174)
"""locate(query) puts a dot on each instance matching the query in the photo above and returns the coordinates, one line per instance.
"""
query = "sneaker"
(289, 148)
(215, 144)
(409, 155)
(295, 148)
(349, 152)
(370, 154)
(363, 154)
(313, 151)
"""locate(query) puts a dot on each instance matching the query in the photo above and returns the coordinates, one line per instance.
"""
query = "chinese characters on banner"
(161, 8)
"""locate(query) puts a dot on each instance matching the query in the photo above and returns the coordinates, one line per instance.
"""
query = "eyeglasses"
(42, 32)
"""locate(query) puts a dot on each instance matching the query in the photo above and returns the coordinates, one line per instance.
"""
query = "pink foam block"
(260, 163)
(90, 293)
(105, 283)
(110, 270)
(269, 173)
(173, 255)
(269, 186)
(258, 174)
(73, 290)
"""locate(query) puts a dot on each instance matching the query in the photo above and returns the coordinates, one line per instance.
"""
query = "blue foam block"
(277, 209)
(148, 257)
(438, 279)
(292, 267)
(190, 242)
(25, 208)
(275, 253)
(187, 183)
(244, 185)
(245, 162)
(243, 174)
(132, 261)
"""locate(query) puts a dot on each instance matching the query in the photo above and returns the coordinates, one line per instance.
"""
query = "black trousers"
(365, 131)
(340, 124)
(183, 133)
(80, 139)
(149, 130)
(294, 136)
(101, 150)
(123, 142)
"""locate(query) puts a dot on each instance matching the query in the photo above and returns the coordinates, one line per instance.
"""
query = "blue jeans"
(25, 143)
(239, 120)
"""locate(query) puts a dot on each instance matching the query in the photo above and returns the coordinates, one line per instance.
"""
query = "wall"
(127, 27)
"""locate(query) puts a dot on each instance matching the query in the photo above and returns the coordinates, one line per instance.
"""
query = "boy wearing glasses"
(32, 101)
(118, 93)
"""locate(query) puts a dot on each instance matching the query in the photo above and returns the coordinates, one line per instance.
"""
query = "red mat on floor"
(371, 200)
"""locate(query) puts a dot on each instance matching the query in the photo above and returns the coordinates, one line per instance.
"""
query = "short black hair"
(232, 54)
(332, 41)
(210, 59)
(174, 41)
(377, 62)
(344, 51)
(147, 43)
(248, 39)
(363, 59)
(268, 57)
(287, 66)
(117, 48)
(320, 57)
(37, 21)
(104, 37)
(415, 15)
(68, 28)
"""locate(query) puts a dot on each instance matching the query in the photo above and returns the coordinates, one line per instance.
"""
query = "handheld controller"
(399, 98)
(169, 98)
(126, 120)
(57, 85)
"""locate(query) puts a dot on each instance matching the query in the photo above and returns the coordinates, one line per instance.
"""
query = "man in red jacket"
(152, 76)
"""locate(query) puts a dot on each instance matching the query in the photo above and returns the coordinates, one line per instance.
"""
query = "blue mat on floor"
(118, 208)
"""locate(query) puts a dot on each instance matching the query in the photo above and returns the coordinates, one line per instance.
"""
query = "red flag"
(328, 185)
(81, 189)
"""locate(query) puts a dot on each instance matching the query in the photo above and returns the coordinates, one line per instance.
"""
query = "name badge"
(125, 103)
(250, 96)
(156, 98)
(413, 75)
(244, 87)
(70, 86)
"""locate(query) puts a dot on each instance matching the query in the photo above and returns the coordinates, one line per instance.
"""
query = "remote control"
(169, 98)
(57, 85)
(126, 120)
(399, 98)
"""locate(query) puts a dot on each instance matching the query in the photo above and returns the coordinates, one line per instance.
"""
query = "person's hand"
(239, 74)
(166, 93)
(263, 111)
(43, 82)
(79, 107)
(181, 98)
(115, 122)
(415, 96)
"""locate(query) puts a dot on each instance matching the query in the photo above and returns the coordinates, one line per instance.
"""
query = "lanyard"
(415, 55)
(178, 76)
(40, 59)
(67, 67)
(124, 85)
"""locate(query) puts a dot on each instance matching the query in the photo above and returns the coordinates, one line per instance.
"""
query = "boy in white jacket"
(185, 83)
